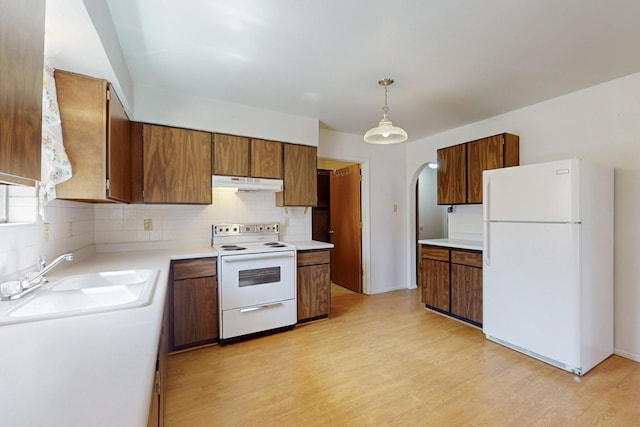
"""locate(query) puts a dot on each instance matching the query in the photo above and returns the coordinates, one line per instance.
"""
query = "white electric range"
(256, 280)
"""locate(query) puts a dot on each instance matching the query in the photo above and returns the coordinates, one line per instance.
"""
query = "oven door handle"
(251, 257)
(259, 307)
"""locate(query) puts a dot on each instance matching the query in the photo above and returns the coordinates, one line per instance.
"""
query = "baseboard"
(627, 354)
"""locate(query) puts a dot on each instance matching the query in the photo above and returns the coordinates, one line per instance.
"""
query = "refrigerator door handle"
(485, 244)
(485, 197)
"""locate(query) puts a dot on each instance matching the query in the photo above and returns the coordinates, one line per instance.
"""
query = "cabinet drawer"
(192, 268)
(473, 259)
(313, 257)
(436, 253)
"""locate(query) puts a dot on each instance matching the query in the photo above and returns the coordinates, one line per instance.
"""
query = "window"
(3, 203)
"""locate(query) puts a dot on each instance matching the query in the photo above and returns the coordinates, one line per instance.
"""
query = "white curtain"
(56, 167)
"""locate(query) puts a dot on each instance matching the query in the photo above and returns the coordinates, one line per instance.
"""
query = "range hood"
(246, 184)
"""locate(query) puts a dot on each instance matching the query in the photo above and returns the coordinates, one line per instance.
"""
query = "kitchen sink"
(85, 294)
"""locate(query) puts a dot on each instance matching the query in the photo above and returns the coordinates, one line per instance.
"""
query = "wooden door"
(230, 155)
(452, 175)
(466, 292)
(266, 159)
(346, 228)
(320, 224)
(119, 149)
(177, 165)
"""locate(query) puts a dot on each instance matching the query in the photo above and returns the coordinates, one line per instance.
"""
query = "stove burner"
(275, 245)
(232, 248)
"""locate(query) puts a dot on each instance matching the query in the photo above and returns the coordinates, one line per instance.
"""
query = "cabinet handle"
(242, 258)
(259, 307)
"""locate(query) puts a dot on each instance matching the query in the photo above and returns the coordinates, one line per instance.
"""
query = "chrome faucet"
(15, 289)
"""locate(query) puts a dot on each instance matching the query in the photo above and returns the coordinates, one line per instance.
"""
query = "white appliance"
(548, 261)
(241, 183)
(256, 280)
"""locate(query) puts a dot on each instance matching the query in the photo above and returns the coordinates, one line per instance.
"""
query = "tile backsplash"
(190, 225)
(70, 226)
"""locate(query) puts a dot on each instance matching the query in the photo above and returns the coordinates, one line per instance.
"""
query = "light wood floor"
(384, 360)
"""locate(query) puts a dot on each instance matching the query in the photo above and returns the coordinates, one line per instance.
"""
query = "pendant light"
(386, 132)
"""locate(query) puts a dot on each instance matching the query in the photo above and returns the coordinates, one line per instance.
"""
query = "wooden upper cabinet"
(22, 57)
(177, 165)
(230, 155)
(460, 166)
(96, 136)
(300, 177)
(452, 175)
(494, 152)
(266, 159)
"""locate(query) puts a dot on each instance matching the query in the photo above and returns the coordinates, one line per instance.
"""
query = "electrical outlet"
(70, 229)
(45, 231)
(148, 225)
(395, 207)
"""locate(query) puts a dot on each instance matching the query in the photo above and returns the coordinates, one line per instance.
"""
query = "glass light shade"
(385, 133)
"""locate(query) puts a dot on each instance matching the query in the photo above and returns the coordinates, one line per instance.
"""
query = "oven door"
(254, 279)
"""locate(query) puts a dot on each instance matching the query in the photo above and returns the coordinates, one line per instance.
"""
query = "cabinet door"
(83, 112)
(21, 56)
(452, 175)
(435, 288)
(466, 292)
(195, 311)
(177, 165)
(314, 291)
(483, 154)
(230, 155)
(300, 176)
(119, 149)
(266, 159)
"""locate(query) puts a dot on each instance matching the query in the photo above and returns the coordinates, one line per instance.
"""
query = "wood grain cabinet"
(230, 155)
(435, 277)
(176, 165)
(300, 176)
(266, 159)
(193, 303)
(96, 135)
(22, 58)
(314, 284)
(241, 156)
(452, 282)
(466, 285)
(460, 166)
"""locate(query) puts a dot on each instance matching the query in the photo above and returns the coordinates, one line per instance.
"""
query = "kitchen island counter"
(475, 245)
(309, 245)
(95, 369)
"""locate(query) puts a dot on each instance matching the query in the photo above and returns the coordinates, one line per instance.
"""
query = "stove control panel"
(245, 229)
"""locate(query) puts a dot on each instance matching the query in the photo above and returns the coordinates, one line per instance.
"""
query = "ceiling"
(454, 62)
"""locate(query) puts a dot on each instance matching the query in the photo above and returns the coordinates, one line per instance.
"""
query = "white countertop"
(92, 370)
(308, 245)
(454, 243)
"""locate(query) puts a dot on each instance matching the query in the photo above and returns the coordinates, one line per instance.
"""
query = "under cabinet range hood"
(241, 183)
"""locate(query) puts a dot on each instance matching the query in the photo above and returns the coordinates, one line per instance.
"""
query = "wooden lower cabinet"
(194, 303)
(452, 282)
(314, 284)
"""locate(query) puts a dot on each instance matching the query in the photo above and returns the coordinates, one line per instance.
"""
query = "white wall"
(383, 186)
(433, 218)
(600, 124)
(164, 107)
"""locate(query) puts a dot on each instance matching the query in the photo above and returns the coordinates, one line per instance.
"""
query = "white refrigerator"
(548, 261)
